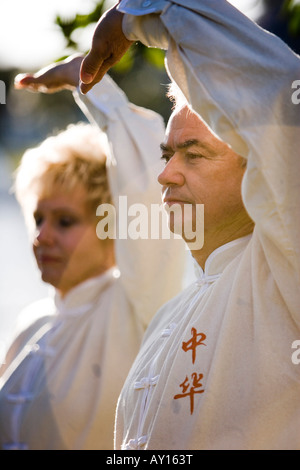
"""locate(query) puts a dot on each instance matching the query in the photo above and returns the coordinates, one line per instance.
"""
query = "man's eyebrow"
(185, 144)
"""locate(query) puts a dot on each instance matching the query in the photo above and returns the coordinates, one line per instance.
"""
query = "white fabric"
(64, 372)
(238, 389)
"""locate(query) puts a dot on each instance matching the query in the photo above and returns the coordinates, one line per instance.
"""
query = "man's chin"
(192, 233)
(175, 224)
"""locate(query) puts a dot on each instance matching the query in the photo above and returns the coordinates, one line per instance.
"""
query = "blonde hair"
(74, 156)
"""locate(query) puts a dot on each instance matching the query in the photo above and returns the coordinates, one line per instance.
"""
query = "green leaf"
(154, 56)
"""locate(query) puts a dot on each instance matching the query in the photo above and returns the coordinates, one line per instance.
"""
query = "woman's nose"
(44, 234)
(172, 174)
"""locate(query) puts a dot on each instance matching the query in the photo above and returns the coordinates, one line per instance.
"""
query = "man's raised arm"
(108, 46)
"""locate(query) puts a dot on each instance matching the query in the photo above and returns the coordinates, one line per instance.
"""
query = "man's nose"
(172, 174)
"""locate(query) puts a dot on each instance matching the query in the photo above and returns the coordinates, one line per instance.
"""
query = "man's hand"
(59, 76)
(108, 47)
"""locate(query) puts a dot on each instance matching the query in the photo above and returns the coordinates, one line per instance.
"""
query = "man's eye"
(166, 158)
(193, 156)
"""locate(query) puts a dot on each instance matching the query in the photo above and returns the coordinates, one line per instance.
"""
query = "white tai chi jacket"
(215, 370)
(64, 371)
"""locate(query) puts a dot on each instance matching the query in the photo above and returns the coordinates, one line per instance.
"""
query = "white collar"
(221, 257)
(83, 296)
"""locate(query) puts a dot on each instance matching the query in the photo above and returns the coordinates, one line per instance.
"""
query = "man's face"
(201, 169)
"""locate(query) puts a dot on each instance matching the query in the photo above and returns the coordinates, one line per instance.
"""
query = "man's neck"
(212, 241)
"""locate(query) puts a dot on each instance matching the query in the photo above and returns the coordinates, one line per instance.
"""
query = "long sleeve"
(239, 77)
(151, 269)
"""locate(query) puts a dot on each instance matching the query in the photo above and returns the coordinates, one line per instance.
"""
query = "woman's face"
(65, 243)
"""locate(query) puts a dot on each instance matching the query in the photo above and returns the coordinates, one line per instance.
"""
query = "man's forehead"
(185, 125)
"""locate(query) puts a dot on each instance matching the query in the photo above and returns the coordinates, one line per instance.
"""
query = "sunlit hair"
(75, 156)
(177, 97)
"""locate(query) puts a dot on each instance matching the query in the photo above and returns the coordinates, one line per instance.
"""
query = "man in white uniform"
(215, 370)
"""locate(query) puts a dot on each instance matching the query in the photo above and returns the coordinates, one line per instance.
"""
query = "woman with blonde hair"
(65, 369)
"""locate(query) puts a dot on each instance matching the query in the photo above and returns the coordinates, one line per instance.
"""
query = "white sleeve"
(151, 269)
(239, 78)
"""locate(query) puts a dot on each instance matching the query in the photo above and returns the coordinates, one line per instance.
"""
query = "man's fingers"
(90, 67)
(86, 77)
(92, 78)
(85, 87)
(108, 46)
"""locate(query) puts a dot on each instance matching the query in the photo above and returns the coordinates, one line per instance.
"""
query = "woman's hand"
(59, 76)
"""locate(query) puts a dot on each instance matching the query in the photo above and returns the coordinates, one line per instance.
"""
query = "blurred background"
(32, 35)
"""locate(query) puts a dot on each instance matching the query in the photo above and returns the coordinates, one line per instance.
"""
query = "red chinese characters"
(193, 385)
(190, 389)
(192, 343)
